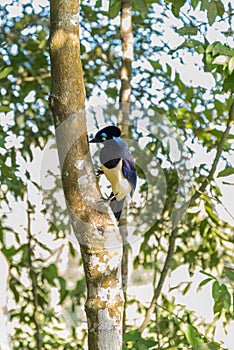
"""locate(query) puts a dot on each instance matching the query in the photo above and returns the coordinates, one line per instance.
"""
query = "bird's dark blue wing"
(129, 172)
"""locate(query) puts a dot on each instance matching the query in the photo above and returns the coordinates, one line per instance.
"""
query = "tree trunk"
(91, 218)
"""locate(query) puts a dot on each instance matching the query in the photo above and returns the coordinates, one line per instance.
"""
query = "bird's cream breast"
(120, 186)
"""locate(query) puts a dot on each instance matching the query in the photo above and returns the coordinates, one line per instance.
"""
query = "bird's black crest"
(107, 133)
(111, 131)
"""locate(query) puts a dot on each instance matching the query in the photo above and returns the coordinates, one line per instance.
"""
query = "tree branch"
(30, 79)
(127, 46)
(123, 121)
(217, 156)
(173, 236)
(161, 281)
(33, 277)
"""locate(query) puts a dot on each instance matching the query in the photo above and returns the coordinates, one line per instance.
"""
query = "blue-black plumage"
(117, 165)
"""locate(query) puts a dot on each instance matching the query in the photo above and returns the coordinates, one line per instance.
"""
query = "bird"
(117, 165)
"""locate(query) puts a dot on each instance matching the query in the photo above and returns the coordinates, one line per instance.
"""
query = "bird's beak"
(94, 140)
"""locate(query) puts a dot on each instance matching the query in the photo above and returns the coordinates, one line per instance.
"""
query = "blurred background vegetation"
(183, 69)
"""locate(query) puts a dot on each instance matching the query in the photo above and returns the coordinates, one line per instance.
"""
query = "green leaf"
(148, 343)
(213, 346)
(49, 273)
(141, 6)
(155, 64)
(212, 215)
(204, 5)
(231, 65)
(218, 306)
(114, 8)
(224, 300)
(186, 289)
(204, 282)
(169, 70)
(98, 3)
(220, 8)
(5, 109)
(9, 252)
(63, 290)
(207, 274)
(140, 346)
(5, 72)
(72, 250)
(229, 273)
(225, 295)
(79, 290)
(25, 255)
(195, 3)
(203, 226)
(208, 346)
(132, 336)
(188, 30)
(192, 336)
(176, 6)
(13, 284)
(2, 142)
(212, 12)
(228, 83)
(219, 49)
(215, 290)
(226, 172)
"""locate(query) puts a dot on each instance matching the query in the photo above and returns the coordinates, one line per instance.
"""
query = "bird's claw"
(102, 199)
(109, 199)
(112, 197)
(99, 172)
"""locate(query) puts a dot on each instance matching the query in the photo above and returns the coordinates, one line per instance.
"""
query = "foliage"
(197, 111)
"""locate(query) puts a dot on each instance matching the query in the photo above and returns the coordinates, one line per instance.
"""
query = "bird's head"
(107, 133)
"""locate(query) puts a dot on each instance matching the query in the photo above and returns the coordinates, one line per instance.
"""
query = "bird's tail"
(117, 207)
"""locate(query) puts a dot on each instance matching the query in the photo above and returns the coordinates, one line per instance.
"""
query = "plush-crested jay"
(117, 165)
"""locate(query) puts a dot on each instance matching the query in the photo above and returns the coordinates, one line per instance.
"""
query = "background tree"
(200, 112)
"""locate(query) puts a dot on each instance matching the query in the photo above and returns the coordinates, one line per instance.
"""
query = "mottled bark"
(91, 219)
(123, 119)
(127, 46)
(126, 67)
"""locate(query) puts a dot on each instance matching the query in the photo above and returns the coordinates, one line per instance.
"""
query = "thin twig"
(157, 329)
(31, 79)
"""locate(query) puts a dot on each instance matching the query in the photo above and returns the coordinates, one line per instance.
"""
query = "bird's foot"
(99, 172)
(102, 199)
(109, 199)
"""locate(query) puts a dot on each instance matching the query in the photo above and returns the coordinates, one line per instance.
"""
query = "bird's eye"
(104, 136)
